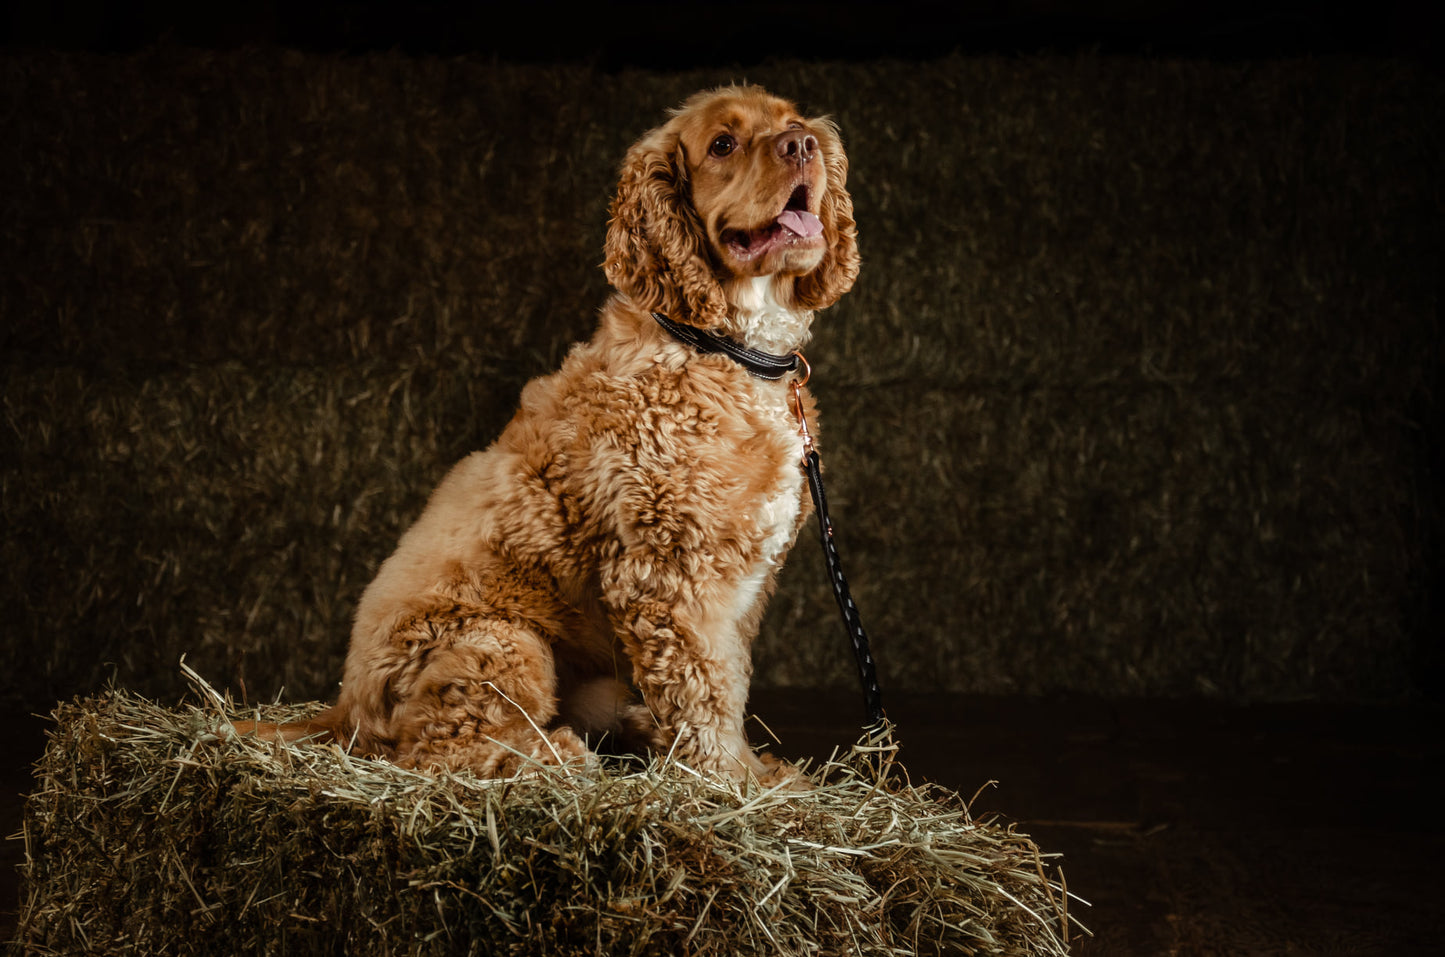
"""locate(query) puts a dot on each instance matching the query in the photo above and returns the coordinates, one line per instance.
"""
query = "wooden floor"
(1190, 828)
(1197, 828)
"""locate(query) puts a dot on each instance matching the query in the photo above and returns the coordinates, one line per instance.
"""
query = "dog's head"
(736, 185)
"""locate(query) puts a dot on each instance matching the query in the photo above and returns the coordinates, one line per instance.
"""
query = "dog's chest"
(778, 517)
(777, 514)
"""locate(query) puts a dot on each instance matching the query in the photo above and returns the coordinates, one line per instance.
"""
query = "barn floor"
(1190, 827)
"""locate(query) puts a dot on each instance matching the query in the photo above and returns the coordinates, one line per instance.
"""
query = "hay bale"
(153, 830)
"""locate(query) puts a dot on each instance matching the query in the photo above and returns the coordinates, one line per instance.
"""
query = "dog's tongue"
(800, 222)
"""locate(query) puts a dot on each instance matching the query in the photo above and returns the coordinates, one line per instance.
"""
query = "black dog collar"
(764, 365)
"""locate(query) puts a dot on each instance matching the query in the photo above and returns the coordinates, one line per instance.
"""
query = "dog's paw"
(565, 748)
(639, 730)
(777, 772)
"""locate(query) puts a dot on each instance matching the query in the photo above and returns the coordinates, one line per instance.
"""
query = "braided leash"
(852, 621)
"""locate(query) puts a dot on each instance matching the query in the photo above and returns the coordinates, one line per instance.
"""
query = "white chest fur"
(760, 321)
(777, 517)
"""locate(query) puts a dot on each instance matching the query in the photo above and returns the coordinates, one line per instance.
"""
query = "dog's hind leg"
(484, 702)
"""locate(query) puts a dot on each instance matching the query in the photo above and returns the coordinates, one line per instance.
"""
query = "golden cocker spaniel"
(603, 566)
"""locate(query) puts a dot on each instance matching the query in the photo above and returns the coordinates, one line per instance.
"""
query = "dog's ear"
(835, 274)
(656, 249)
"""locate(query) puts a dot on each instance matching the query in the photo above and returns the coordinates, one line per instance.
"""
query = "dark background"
(1152, 289)
(687, 36)
(1132, 419)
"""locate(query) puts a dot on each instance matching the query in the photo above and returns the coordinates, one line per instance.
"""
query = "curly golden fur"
(603, 566)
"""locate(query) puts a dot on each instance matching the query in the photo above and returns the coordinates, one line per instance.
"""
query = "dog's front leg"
(692, 668)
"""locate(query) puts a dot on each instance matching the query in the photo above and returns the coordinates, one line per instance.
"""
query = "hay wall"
(1134, 395)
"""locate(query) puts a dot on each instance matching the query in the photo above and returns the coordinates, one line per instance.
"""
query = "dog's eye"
(723, 145)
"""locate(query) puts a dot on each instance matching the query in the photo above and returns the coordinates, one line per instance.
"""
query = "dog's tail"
(323, 728)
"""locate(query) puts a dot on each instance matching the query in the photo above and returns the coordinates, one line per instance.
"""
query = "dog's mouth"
(793, 225)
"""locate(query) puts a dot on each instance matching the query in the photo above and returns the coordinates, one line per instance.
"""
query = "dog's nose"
(795, 146)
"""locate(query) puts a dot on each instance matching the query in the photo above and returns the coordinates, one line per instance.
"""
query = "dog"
(602, 568)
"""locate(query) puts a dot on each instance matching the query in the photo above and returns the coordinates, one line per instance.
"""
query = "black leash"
(772, 367)
(867, 671)
(852, 621)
